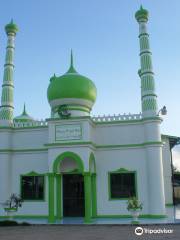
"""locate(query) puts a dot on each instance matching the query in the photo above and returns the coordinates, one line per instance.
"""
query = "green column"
(7, 99)
(148, 93)
(58, 196)
(88, 199)
(51, 217)
(94, 195)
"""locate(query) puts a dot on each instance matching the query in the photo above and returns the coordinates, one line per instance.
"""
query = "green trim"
(26, 216)
(151, 216)
(69, 119)
(6, 127)
(61, 157)
(88, 197)
(10, 209)
(104, 146)
(169, 204)
(51, 216)
(83, 109)
(148, 95)
(33, 174)
(94, 195)
(24, 150)
(92, 162)
(59, 196)
(30, 127)
(81, 143)
(143, 120)
(20, 128)
(119, 171)
(68, 143)
(108, 122)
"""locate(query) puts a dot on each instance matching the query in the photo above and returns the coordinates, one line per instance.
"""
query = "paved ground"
(86, 232)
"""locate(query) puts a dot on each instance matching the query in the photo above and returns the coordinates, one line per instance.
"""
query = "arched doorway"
(70, 201)
(68, 169)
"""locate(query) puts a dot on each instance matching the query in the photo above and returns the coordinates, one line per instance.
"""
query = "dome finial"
(71, 68)
(71, 58)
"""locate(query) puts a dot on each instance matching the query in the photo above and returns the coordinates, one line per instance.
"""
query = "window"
(122, 185)
(32, 187)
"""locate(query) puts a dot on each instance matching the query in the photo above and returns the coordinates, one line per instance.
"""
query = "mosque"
(73, 164)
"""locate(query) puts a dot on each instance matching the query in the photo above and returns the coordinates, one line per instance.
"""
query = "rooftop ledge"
(120, 118)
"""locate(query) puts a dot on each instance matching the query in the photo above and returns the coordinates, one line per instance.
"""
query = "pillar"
(88, 197)
(59, 196)
(94, 195)
(51, 216)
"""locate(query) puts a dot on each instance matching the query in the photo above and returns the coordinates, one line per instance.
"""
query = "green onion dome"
(11, 28)
(142, 14)
(24, 117)
(71, 89)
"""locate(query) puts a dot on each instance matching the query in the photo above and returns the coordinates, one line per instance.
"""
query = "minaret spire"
(24, 109)
(7, 103)
(148, 95)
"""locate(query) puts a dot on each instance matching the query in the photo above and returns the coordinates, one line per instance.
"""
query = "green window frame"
(33, 176)
(121, 172)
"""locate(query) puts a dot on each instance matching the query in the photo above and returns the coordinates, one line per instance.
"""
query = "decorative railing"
(35, 123)
(123, 117)
(104, 118)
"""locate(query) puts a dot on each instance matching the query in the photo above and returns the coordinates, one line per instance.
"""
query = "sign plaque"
(68, 132)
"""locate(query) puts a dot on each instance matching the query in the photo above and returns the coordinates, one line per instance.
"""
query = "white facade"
(115, 145)
(91, 150)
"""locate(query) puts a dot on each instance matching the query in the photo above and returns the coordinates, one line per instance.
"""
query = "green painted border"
(151, 216)
(24, 150)
(59, 200)
(93, 184)
(94, 194)
(105, 146)
(86, 117)
(60, 125)
(92, 159)
(34, 174)
(81, 143)
(88, 197)
(83, 109)
(169, 204)
(98, 216)
(143, 120)
(26, 216)
(119, 171)
(73, 155)
(51, 190)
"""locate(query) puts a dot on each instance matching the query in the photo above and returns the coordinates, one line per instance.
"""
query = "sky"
(104, 37)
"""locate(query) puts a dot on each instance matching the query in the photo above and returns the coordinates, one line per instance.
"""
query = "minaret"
(148, 95)
(7, 103)
(151, 123)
